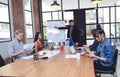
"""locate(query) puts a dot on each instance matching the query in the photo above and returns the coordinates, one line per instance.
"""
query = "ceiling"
(73, 4)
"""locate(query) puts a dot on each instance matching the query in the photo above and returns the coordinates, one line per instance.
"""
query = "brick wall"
(18, 16)
(36, 15)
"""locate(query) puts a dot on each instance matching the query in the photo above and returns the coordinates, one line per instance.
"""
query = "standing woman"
(38, 44)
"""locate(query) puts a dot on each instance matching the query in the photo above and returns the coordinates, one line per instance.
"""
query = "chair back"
(115, 60)
(2, 63)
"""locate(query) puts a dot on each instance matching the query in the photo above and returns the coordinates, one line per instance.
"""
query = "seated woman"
(104, 53)
(38, 44)
(94, 46)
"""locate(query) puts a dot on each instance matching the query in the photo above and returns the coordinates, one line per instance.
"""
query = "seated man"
(104, 53)
(15, 48)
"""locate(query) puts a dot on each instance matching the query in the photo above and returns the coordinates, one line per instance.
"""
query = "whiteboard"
(53, 34)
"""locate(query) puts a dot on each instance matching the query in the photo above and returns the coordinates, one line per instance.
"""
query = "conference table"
(57, 66)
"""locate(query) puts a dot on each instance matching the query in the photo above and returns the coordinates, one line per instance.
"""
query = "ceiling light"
(96, 1)
(55, 4)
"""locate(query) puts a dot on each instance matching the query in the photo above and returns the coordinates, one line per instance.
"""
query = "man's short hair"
(18, 31)
(71, 21)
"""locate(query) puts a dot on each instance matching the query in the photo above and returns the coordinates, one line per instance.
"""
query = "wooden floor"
(118, 65)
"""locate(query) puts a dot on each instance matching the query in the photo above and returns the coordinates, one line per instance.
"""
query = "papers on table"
(28, 57)
(71, 56)
(52, 53)
(77, 55)
(48, 54)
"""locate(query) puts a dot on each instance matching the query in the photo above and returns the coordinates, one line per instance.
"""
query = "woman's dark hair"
(95, 32)
(36, 36)
(98, 30)
(98, 26)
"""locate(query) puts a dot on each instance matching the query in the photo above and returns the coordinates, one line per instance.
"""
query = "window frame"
(26, 24)
(9, 15)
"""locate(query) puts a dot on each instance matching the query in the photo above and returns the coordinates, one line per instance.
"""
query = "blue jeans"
(71, 42)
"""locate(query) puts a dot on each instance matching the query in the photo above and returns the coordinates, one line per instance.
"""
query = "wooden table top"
(57, 66)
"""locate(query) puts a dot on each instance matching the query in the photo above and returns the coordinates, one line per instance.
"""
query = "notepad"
(71, 56)
(28, 57)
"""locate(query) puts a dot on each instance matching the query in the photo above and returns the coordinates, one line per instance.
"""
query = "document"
(52, 53)
(71, 56)
(43, 53)
(28, 57)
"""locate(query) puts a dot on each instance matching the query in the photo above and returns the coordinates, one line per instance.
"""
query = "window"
(56, 15)
(4, 21)
(86, 4)
(118, 30)
(90, 16)
(118, 14)
(68, 15)
(88, 30)
(28, 18)
(46, 16)
(4, 1)
(113, 14)
(106, 28)
(103, 15)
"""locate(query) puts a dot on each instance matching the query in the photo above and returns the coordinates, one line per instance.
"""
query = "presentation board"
(53, 34)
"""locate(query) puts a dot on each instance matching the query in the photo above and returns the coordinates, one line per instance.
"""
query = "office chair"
(2, 63)
(113, 68)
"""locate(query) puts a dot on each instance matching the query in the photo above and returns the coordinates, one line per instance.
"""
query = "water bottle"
(67, 42)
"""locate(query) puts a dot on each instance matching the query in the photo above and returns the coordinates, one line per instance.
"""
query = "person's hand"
(102, 58)
(87, 48)
(76, 44)
(92, 54)
(83, 53)
(28, 54)
(22, 51)
(25, 52)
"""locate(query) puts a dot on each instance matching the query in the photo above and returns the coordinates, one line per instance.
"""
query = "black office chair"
(2, 63)
(113, 68)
